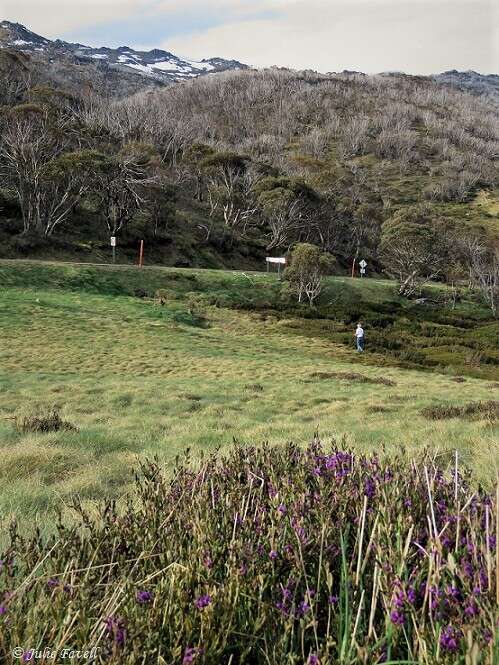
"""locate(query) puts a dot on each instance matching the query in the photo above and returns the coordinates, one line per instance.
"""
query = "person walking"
(359, 335)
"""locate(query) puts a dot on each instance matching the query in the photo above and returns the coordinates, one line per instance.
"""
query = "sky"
(415, 36)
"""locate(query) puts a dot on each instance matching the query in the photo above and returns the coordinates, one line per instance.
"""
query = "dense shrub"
(272, 556)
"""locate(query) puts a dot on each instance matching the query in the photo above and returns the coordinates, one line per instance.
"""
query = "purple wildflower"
(333, 600)
(453, 592)
(303, 608)
(397, 618)
(143, 597)
(3, 610)
(282, 509)
(449, 639)
(28, 656)
(313, 659)
(190, 655)
(369, 488)
(53, 582)
(202, 602)
(471, 610)
(273, 554)
(115, 627)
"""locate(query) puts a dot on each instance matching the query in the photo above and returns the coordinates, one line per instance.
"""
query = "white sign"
(271, 259)
(363, 264)
(113, 241)
(362, 271)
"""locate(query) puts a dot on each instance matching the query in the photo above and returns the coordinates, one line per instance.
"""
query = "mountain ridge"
(161, 66)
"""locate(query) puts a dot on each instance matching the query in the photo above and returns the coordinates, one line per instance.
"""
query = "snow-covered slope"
(156, 64)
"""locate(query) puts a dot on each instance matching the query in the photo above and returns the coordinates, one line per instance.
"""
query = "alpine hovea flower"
(3, 610)
(53, 582)
(398, 618)
(398, 600)
(370, 488)
(313, 659)
(303, 608)
(273, 554)
(143, 597)
(411, 595)
(471, 610)
(449, 639)
(333, 600)
(190, 655)
(282, 509)
(453, 592)
(202, 602)
(28, 656)
(115, 627)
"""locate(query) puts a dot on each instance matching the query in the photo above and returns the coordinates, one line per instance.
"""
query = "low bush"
(274, 556)
(472, 410)
(43, 421)
(354, 377)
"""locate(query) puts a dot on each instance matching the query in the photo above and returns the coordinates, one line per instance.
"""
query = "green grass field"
(138, 379)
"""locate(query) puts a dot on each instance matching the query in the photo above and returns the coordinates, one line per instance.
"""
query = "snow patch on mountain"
(156, 64)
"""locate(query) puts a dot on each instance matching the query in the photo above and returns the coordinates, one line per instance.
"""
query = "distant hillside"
(470, 81)
(220, 170)
(104, 67)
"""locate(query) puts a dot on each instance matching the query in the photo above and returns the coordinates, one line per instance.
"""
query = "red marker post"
(141, 254)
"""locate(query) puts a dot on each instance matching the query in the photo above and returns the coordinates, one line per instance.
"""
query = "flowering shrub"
(269, 555)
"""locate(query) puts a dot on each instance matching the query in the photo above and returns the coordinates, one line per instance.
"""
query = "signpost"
(279, 260)
(363, 266)
(113, 245)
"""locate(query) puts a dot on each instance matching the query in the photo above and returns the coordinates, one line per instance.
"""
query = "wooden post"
(353, 268)
(141, 254)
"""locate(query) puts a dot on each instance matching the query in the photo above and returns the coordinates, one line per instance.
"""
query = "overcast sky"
(416, 36)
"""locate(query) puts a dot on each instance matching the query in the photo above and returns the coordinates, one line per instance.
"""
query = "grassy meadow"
(226, 358)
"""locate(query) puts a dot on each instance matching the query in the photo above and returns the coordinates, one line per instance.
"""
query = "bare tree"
(485, 273)
(48, 181)
(27, 147)
(123, 182)
(413, 250)
(284, 218)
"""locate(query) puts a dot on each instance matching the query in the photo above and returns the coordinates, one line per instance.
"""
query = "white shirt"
(359, 332)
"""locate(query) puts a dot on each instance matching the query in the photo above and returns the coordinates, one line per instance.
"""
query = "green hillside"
(223, 170)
